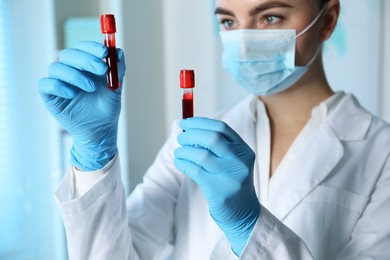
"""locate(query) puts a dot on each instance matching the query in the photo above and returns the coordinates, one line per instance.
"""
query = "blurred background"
(159, 38)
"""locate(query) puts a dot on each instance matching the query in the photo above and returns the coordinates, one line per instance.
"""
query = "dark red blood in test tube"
(107, 24)
(187, 83)
(188, 108)
(112, 73)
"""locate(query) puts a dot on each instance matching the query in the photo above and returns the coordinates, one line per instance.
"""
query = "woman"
(296, 171)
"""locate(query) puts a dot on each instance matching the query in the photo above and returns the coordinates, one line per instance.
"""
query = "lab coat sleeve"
(151, 208)
(96, 223)
(371, 235)
(102, 224)
(271, 239)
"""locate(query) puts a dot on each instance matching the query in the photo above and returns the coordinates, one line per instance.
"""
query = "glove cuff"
(91, 159)
(238, 233)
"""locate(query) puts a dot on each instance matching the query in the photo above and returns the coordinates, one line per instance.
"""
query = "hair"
(323, 2)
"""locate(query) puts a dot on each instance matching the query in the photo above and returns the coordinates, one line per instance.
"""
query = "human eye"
(228, 24)
(270, 20)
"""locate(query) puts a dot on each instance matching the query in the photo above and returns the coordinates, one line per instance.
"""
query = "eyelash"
(265, 17)
(224, 21)
(263, 21)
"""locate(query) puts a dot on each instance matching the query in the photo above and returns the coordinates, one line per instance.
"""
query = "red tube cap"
(107, 23)
(187, 79)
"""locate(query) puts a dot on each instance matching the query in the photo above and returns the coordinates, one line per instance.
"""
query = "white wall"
(142, 39)
(353, 55)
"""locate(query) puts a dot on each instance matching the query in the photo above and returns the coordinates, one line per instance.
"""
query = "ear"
(331, 16)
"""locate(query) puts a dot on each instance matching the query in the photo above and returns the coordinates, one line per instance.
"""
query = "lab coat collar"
(347, 118)
(303, 170)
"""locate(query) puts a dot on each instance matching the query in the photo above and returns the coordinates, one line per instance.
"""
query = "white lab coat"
(333, 201)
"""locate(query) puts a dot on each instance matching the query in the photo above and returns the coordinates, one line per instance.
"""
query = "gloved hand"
(221, 163)
(76, 94)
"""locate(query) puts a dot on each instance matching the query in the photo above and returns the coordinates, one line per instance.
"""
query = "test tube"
(187, 84)
(107, 24)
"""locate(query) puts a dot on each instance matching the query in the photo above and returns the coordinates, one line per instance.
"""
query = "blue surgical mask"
(263, 61)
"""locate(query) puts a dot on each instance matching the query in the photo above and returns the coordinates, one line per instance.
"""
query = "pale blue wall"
(30, 226)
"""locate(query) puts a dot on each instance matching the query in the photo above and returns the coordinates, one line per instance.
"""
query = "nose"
(248, 24)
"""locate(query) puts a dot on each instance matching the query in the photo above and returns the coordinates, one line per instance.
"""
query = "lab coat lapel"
(347, 121)
(302, 172)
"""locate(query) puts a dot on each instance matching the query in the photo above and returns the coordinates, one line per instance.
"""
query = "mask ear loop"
(313, 22)
(307, 29)
(314, 57)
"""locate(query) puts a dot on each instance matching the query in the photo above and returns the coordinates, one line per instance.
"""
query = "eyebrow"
(223, 11)
(258, 9)
(268, 5)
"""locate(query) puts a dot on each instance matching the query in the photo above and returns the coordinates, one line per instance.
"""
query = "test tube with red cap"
(187, 84)
(107, 24)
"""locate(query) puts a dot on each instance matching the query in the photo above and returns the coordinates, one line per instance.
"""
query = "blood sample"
(107, 24)
(187, 84)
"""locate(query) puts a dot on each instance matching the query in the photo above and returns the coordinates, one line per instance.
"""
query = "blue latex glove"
(221, 163)
(76, 94)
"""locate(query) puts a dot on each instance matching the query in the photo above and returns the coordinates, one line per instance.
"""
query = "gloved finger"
(194, 171)
(121, 64)
(206, 181)
(53, 87)
(83, 61)
(204, 158)
(211, 125)
(207, 139)
(71, 76)
(95, 48)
